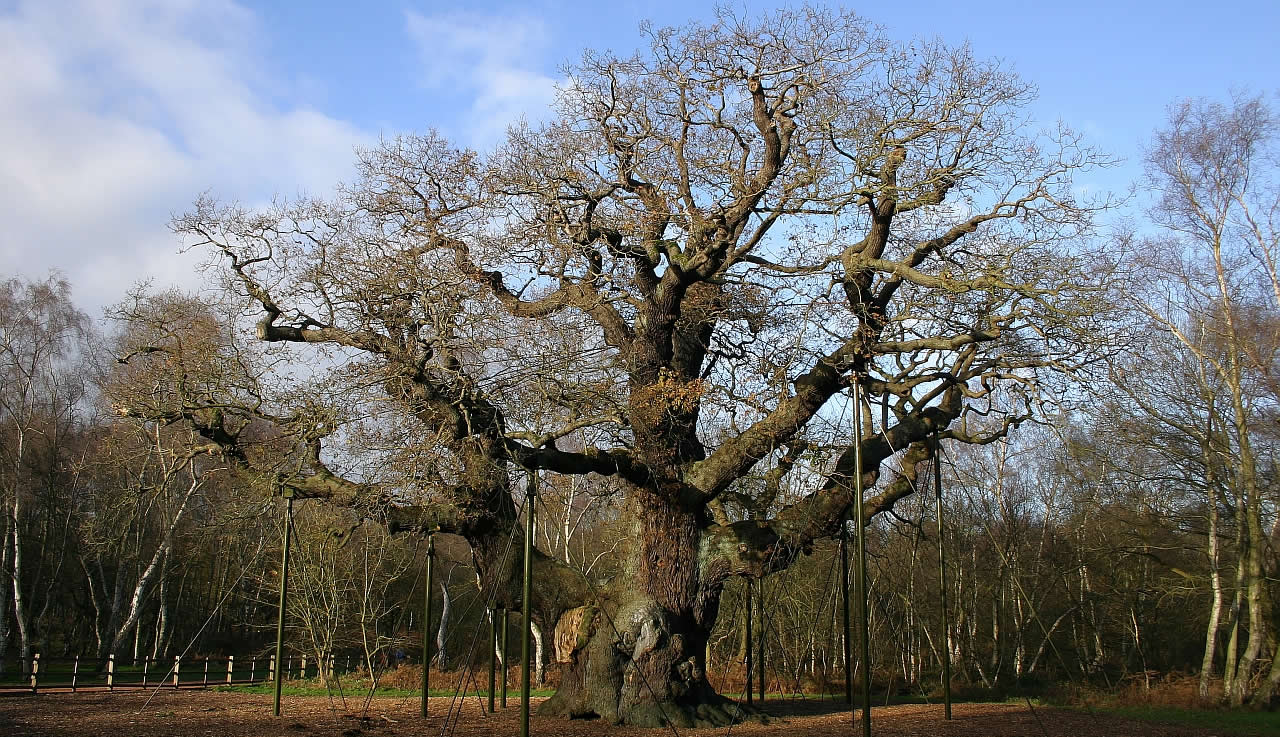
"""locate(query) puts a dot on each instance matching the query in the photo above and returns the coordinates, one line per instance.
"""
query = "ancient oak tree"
(674, 283)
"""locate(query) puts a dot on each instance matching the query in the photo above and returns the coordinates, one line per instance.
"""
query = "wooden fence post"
(284, 592)
(502, 625)
(111, 672)
(526, 597)
(860, 527)
(493, 645)
(426, 626)
(942, 578)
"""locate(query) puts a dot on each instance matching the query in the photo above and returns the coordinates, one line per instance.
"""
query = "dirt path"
(191, 714)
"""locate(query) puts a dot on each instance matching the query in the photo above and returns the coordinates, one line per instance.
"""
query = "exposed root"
(716, 712)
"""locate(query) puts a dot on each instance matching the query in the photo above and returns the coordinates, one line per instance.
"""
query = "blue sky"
(115, 114)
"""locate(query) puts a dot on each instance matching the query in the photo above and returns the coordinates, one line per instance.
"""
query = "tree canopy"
(671, 283)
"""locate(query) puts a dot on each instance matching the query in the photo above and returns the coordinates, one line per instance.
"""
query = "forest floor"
(199, 713)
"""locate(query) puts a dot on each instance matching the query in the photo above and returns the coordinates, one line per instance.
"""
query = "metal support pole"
(942, 579)
(750, 641)
(844, 610)
(493, 645)
(861, 529)
(525, 604)
(278, 661)
(426, 623)
(764, 631)
(503, 626)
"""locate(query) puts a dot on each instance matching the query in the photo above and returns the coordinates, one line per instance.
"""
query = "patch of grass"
(1252, 723)
(307, 689)
(878, 698)
(361, 688)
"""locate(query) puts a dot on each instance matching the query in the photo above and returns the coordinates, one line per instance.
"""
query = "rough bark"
(640, 658)
(6, 593)
(1215, 582)
(16, 582)
(155, 566)
(442, 632)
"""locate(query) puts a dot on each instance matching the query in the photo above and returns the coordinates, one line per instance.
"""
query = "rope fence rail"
(74, 673)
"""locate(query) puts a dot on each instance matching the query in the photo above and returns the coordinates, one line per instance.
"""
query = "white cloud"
(490, 60)
(115, 115)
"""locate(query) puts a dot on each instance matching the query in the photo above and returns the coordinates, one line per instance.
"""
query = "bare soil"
(199, 713)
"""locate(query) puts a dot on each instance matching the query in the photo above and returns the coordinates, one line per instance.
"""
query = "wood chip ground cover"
(199, 713)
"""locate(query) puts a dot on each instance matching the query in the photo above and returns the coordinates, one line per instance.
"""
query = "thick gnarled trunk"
(641, 665)
(640, 657)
